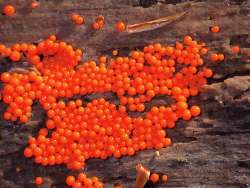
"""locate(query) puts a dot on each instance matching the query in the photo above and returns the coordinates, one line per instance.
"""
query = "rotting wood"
(210, 151)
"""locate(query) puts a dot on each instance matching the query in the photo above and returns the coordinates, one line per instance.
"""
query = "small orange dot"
(221, 57)
(15, 56)
(154, 177)
(195, 110)
(215, 29)
(235, 49)
(164, 178)
(34, 5)
(79, 20)
(28, 153)
(187, 40)
(120, 26)
(70, 180)
(115, 52)
(75, 16)
(9, 10)
(96, 26)
(39, 180)
(214, 57)
(247, 52)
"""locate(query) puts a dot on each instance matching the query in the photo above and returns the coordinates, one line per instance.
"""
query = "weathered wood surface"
(212, 150)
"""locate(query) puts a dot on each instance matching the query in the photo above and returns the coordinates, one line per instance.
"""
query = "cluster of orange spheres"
(154, 177)
(120, 26)
(83, 181)
(75, 131)
(99, 22)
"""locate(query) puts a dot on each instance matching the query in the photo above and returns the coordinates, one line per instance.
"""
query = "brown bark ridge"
(212, 150)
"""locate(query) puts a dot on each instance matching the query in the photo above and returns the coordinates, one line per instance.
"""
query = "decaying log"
(212, 150)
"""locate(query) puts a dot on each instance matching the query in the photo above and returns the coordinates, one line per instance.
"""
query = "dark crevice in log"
(226, 133)
(147, 3)
(149, 184)
(238, 2)
(206, 125)
(109, 96)
(236, 97)
(177, 164)
(236, 184)
(122, 50)
(244, 126)
(240, 39)
(5, 65)
(227, 76)
(178, 137)
(233, 111)
(175, 2)
(244, 164)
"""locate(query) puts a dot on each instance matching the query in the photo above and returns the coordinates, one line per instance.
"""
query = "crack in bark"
(237, 97)
(227, 76)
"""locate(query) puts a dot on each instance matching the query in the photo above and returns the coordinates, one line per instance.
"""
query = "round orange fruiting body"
(38, 180)
(28, 152)
(215, 29)
(35, 4)
(235, 49)
(102, 59)
(186, 115)
(221, 57)
(9, 10)
(115, 52)
(96, 26)
(154, 177)
(204, 51)
(187, 40)
(100, 20)
(195, 110)
(164, 178)
(74, 17)
(15, 56)
(214, 57)
(208, 73)
(247, 52)
(77, 19)
(120, 26)
(70, 180)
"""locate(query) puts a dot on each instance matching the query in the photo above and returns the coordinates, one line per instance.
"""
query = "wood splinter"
(153, 24)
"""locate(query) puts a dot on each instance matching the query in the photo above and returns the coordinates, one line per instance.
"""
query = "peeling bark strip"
(154, 24)
(210, 151)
